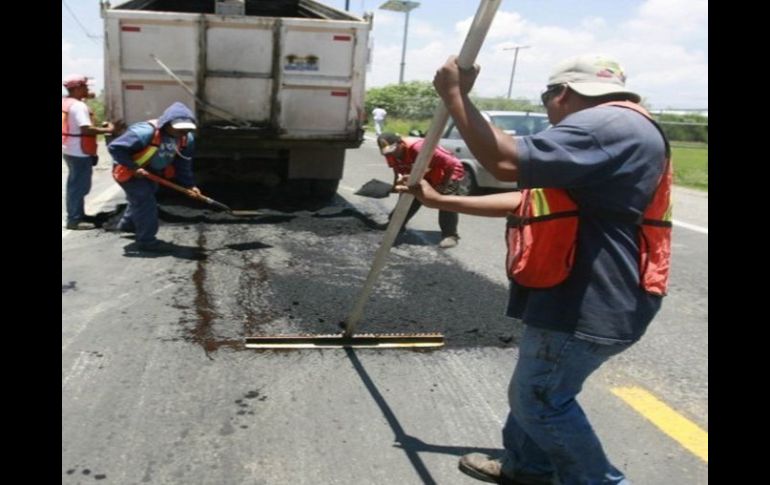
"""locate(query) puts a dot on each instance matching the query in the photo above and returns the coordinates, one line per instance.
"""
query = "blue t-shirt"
(138, 136)
(609, 159)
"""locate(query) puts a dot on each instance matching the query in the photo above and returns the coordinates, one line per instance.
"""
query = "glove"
(121, 173)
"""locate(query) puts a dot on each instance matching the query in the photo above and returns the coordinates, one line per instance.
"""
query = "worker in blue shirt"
(595, 194)
(164, 147)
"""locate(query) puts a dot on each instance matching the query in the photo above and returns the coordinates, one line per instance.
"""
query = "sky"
(661, 44)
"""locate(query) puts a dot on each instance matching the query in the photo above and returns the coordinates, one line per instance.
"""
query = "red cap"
(75, 80)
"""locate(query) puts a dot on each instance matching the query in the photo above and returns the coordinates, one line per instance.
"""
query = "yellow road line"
(681, 429)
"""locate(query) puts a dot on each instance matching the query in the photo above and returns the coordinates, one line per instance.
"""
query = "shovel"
(376, 189)
(187, 192)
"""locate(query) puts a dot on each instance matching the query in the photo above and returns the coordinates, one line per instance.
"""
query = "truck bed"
(277, 87)
(259, 8)
(290, 69)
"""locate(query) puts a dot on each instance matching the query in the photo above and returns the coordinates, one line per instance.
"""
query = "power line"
(90, 36)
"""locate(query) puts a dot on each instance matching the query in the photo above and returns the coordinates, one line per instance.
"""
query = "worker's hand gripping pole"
(470, 49)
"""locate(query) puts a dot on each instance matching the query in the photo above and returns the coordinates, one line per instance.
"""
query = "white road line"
(95, 204)
(692, 227)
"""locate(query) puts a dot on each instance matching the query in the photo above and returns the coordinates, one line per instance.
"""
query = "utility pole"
(406, 7)
(513, 69)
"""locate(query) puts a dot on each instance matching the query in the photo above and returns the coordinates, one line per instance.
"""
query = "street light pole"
(403, 49)
(513, 69)
(406, 7)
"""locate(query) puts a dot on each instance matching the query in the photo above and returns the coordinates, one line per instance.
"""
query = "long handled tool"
(185, 191)
(470, 49)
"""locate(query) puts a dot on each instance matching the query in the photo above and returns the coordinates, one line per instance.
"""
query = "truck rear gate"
(291, 72)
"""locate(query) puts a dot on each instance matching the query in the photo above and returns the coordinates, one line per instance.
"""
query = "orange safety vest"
(144, 155)
(542, 233)
(87, 142)
(122, 174)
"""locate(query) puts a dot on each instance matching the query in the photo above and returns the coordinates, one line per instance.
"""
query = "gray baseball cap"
(592, 75)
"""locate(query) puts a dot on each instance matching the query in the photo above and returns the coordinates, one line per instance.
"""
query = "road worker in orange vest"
(164, 147)
(589, 244)
(78, 144)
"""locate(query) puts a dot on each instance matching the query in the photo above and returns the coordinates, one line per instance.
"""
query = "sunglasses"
(550, 92)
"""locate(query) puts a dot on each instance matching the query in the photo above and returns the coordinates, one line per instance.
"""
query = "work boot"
(487, 469)
(482, 467)
(155, 246)
(449, 242)
(80, 226)
(119, 227)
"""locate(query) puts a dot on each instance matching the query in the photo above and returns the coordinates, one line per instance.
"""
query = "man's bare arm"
(494, 149)
(493, 205)
(106, 129)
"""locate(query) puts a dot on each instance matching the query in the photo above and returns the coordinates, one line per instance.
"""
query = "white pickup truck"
(277, 86)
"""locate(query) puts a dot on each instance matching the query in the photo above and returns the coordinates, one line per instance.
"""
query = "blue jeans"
(78, 186)
(142, 209)
(547, 435)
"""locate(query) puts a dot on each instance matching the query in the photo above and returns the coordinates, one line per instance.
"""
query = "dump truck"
(277, 86)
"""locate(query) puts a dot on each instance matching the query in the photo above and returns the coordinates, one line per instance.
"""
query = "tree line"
(417, 100)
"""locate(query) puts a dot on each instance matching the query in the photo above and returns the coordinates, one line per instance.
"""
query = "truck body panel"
(285, 76)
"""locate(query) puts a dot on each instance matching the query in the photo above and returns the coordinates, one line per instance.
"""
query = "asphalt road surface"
(157, 387)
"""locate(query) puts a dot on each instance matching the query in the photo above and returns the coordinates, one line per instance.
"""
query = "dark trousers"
(447, 220)
(78, 186)
(142, 209)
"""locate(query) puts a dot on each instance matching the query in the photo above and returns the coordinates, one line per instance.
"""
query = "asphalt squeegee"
(348, 338)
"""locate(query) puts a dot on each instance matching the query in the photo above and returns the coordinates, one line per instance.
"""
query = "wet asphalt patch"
(302, 275)
(300, 271)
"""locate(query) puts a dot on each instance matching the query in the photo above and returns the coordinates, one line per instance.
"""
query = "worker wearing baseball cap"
(78, 143)
(589, 245)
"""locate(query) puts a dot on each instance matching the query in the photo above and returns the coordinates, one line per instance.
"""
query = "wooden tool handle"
(470, 49)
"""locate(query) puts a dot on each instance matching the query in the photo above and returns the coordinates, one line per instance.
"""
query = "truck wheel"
(325, 188)
(318, 189)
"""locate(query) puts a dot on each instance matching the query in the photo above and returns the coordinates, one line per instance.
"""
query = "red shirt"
(443, 166)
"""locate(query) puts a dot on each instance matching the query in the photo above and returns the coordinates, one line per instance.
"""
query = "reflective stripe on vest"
(144, 155)
(541, 238)
(542, 234)
(87, 142)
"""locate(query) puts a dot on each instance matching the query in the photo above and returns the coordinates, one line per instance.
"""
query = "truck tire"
(316, 189)
(325, 188)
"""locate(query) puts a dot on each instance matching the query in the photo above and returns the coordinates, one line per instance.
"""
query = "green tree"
(417, 100)
(97, 106)
(504, 104)
(411, 105)
(411, 100)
